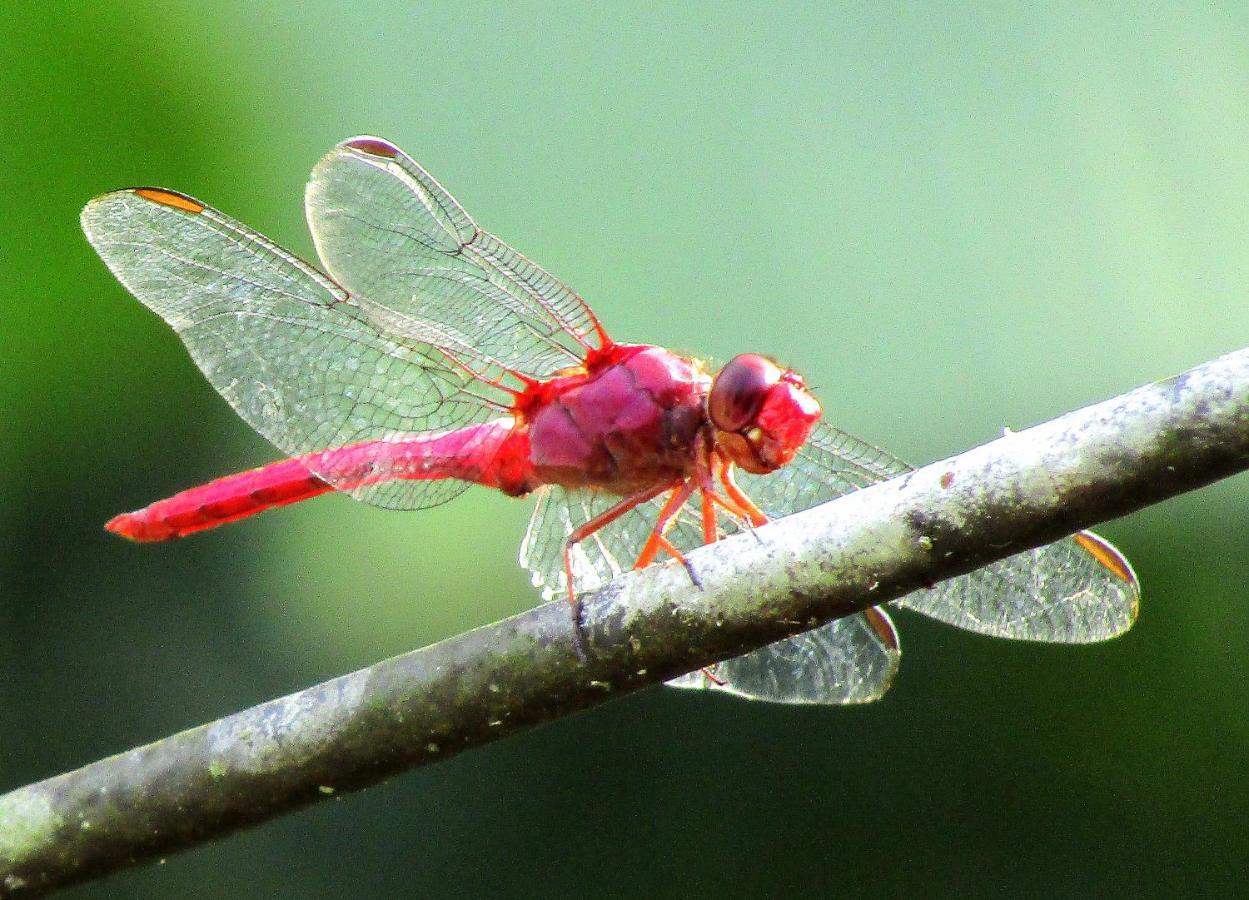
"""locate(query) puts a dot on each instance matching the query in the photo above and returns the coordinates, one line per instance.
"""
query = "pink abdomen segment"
(220, 501)
(492, 454)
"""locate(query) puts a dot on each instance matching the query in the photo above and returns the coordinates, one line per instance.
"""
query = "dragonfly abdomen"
(220, 501)
(492, 453)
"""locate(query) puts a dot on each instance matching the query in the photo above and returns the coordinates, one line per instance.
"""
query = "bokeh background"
(952, 217)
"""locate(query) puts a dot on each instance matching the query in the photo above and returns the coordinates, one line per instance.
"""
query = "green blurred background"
(951, 218)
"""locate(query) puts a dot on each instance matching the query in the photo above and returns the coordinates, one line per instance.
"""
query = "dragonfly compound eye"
(739, 390)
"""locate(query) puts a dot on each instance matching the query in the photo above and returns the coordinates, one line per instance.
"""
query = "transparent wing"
(830, 464)
(416, 262)
(296, 357)
(851, 660)
(1077, 590)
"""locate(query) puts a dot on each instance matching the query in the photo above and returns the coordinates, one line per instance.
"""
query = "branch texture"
(872, 546)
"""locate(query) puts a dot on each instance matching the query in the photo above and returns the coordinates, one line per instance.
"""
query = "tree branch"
(1021, 491)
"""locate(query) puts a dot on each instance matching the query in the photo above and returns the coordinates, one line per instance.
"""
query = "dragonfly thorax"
(631, 419)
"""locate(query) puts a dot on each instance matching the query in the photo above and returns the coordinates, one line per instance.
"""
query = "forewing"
(1077, 590)
(415, 261)
(851, 660)
(289, 349)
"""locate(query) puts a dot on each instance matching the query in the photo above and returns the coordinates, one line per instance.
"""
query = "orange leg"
(657, 541)
(738, 496)
(711, 676)
(709, 518)
(709, 497)
(737, 504)
(729, 506)
(583, 531)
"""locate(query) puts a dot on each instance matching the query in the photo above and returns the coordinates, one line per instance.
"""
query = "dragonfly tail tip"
(134, 528)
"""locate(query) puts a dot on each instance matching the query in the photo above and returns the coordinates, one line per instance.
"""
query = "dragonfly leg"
(603, 519)
(657, 541)
(711, 676)
(715, 497)
(709, 497)
(738, 496)
(736, 504)
(710, 532)
(676, 554)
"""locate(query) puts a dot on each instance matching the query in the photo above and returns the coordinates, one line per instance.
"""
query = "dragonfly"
(424, 355)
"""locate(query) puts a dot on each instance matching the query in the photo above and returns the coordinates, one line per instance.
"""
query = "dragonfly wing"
(289, 349)
(415, 261)
(830, 464)
(851, 660)
(1077, 590)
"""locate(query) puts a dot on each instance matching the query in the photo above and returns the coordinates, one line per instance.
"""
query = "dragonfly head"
(762, 413)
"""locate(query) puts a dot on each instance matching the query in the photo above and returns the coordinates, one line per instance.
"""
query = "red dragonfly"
(426, 355)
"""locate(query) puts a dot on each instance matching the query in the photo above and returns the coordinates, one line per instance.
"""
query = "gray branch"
(1024, 490)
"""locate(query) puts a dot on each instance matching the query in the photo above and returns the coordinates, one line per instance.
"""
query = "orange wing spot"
(882, 627)
(171, 198)
(1107, 555)
(373, 147)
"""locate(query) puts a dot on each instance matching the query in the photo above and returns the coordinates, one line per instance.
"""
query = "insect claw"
(580, 641)
(689, 569)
